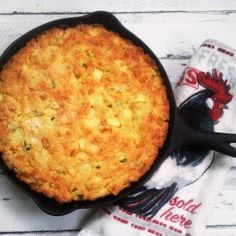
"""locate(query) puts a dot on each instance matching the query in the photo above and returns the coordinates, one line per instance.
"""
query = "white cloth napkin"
(178, 198)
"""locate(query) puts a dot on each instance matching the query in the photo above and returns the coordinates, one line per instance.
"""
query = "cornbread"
(84, 113)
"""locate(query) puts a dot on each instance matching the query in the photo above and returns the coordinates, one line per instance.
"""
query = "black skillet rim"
(110, 22)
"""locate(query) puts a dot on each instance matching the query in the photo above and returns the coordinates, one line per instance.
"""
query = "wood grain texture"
(225, 203)
(14, 204)
(175, 35)
(47, 6)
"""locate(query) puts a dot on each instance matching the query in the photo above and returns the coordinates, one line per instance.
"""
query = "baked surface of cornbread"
(84, 113)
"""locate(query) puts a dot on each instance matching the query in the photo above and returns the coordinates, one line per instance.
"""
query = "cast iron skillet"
(179, 134)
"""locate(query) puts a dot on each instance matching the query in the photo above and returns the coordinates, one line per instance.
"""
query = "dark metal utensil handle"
(184, 135)
(220, 142)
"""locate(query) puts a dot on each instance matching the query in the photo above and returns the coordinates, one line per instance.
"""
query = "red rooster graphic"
(220, 90)
(187, 164)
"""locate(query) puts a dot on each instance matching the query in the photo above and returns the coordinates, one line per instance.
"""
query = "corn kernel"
(96, 179)
(97, 74)
(96, 100)
(93, 149)
(83, 143)
(92, 122)
(126, 114)
(85, 168)
(72, 171)
(113, 122)
(140, 98)
(54, 105)
(16, 136)
(83, 155)
(94, 32)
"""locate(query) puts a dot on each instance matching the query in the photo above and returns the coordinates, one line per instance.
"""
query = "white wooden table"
(174, 30)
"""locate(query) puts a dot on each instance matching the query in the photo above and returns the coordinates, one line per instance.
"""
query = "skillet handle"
(184, 135)
(220, 142)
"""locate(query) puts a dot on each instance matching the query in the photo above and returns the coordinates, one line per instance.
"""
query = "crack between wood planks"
(77, 230)
(10, 199)
(226, 12)
(233, 168)
(39, 231)
(176, 57)
(220, 226)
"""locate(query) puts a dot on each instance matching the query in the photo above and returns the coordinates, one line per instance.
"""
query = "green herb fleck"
(123, 160)
(74, 189)
(53, 118)
(37, 113)
(51, 185)
(53, 84)
(110, 105)
(88, 53)
(80, 196)
(85, 65)
(98, 167)
(27, 146)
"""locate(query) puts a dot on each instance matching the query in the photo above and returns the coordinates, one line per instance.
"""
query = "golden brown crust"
(83, 113)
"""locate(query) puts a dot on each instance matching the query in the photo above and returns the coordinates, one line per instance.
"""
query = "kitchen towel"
(179, 196)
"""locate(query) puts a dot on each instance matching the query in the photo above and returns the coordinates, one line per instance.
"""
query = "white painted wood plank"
(224, 210)
(23, 215)
(8, 191)
(225, 206)
(221, 231)
(114, 5)
(20, 213)
(169, 35)
(230, 182)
